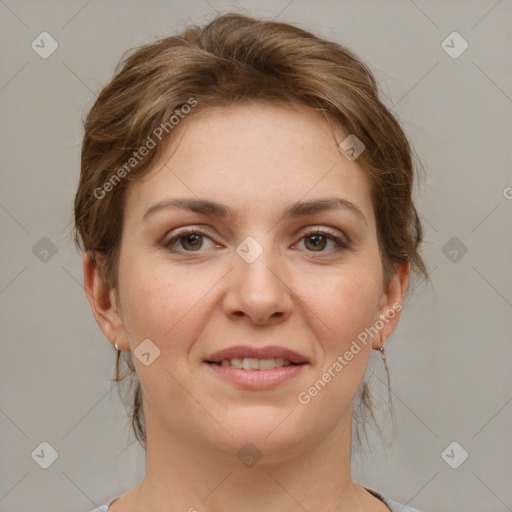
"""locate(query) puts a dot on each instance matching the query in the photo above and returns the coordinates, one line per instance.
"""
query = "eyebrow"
(297, 209)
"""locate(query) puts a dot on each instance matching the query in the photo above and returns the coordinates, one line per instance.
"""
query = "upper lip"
(243, 351)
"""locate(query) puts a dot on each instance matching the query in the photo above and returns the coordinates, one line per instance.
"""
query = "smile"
(250, 363)
(256, 374)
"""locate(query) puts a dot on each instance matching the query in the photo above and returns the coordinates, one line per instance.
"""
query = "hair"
(234, 59)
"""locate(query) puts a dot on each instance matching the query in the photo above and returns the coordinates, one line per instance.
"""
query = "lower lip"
(257, 379)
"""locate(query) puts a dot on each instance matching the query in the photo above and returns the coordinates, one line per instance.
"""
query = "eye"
(317, 240)
(191, 240)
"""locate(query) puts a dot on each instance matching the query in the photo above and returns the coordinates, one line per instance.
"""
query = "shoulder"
(104, 508)
(393, 505)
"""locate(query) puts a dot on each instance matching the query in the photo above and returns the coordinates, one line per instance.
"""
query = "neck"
(190, 474)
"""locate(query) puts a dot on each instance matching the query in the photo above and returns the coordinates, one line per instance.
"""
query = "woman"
(245, 212)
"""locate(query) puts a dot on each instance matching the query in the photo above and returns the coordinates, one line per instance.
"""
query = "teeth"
(237, 363)
(267, 364)
(279, 362)
(249, 363)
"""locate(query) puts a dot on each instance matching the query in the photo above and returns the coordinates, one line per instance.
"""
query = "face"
(270, 269)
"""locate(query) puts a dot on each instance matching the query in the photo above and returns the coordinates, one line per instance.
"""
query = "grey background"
(450, 357)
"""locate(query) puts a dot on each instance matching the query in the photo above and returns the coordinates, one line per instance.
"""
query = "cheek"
(346, 302)
(149, 306)
(348, 308)
(162, 302)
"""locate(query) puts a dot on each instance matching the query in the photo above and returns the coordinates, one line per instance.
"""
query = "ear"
(390, 304)
(103, 303)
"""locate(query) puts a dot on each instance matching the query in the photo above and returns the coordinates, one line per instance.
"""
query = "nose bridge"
(256, 288)
(254, 261)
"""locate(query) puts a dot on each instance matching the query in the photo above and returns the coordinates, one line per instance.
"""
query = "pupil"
(194, 238)
(318, 242)
(315, 240)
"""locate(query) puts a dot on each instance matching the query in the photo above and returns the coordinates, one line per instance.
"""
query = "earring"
(115, 345)
(385, 367)
(383, 355)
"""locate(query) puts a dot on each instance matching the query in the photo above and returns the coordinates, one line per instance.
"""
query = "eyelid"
(324, 230)
(305, 231)
(338, 237)
(179, 233)
(186, 230)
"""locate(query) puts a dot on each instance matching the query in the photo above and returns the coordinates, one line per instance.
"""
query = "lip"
(270, 352)
(257, 379)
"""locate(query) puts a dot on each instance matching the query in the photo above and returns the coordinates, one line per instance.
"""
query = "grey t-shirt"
(392, 505)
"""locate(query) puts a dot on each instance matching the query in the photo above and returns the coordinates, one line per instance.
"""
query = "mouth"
(256, 368)
(250, 363)
(252, 358)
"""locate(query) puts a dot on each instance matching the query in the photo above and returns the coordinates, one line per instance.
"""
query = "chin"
(270, 432)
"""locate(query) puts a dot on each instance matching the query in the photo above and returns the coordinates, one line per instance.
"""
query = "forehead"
(250, 156)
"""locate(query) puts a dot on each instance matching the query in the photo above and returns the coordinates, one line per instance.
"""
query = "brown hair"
(235, 58)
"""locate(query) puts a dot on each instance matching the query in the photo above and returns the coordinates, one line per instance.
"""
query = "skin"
(257, 159)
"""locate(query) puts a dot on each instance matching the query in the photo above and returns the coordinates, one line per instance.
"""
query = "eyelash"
(340, 242)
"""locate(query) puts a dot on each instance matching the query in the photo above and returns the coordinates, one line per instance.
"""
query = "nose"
(259, 291)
